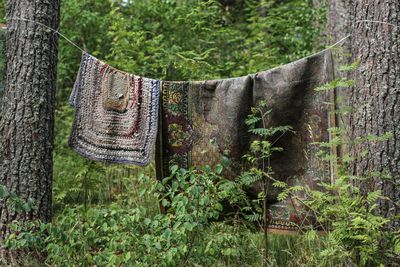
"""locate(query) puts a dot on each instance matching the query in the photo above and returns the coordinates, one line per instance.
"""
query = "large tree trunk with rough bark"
(27, 118)
(376, 97)
(339, 25)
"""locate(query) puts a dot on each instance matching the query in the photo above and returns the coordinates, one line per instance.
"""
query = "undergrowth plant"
(354, 233)
(131, 231)
(259, 172)
(261, 150)
(126, 233)
(109, 215)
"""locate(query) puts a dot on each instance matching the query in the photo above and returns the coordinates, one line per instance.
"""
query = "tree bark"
(2, 60)
(339, 22)
(27, 118)
(339, 26)
(376, 98)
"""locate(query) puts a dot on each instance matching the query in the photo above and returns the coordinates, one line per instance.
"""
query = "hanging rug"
(116, 114)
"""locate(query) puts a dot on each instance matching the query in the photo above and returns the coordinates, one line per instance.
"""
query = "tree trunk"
(339, 21)
(339, 26)
(27, 118)
(376, 98)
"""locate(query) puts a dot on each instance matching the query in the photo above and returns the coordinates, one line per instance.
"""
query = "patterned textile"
(116, 114)
(176, 124)
(203, 121)
(290, 92)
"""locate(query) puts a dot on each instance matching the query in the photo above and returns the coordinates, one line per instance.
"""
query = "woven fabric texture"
(116, 114)
(204, 121)
(289, 90)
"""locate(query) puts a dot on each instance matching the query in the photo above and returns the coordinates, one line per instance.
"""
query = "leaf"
(147, 221)
(251, 120)
(165, 202)
(339, 82)
(282, 196)
(350, 67)
(2, 191)
(174, 169)
(373, 197)
(279, 184)
(219, 168)
(267, 132)
(397, 247)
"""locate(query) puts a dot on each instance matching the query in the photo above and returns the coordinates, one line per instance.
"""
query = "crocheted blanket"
(116, 114)
(204, 121)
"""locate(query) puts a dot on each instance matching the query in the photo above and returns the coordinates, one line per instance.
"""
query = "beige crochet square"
(115, 90)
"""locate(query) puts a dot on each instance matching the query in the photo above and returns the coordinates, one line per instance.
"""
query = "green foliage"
(289, 29)
(187, 39)
(260, 170)
(129, 233)
(14, 203)
(262, 147)
(108, 215)
(2, 12)
(339, 82)
(126, 233)
(167, 40)
(355, 233)
(350, 67)
(86, 23)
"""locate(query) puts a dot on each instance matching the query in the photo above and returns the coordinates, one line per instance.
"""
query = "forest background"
(108, 215)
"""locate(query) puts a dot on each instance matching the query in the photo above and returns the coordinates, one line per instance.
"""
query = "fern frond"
(350, 67)
(267, 132)
(251, 120)
(279, 184)
(373, 197)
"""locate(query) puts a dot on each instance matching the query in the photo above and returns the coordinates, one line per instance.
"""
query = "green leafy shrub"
(123, 234)
(109, 215)
(354, 233)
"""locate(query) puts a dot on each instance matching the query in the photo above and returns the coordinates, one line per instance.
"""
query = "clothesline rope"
(329, 47)
(53, 30)
(377, 21)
